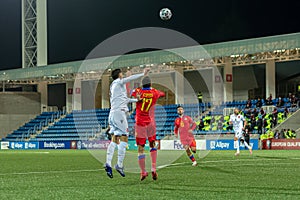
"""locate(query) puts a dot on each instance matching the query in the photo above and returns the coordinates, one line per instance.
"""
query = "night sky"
(75, 27)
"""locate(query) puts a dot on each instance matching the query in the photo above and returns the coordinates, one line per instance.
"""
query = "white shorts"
(239, 135)
(118, 123)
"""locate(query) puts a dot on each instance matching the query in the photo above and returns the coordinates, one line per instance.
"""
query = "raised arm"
(131, 78)
(136, 76)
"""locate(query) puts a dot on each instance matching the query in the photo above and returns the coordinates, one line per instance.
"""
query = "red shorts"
(144, 132)
(193, 144)
(142, 141)
(188, 141)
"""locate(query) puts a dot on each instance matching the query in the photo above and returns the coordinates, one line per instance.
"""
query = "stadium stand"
(217, 121)
(91, 124)
(78, 125)
(32, 127)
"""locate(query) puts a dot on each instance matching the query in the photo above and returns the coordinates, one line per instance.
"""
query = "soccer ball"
(165, 14)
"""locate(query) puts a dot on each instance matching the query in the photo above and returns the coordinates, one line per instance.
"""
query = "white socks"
(237, 143)
(110, 152)
(247, 145)
(121, 153)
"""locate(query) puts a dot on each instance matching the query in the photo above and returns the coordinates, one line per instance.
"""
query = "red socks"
(153, 154)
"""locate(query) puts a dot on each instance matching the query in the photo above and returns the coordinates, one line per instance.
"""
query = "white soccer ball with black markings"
(165, 14)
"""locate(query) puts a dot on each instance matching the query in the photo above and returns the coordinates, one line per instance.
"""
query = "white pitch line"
(252, 164)
(295, 158)
(172, 164)
(159, 167)
(239, 160)
(221, 161)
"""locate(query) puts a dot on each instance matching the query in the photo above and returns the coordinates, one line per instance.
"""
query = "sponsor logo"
(54, 145)
(212, 144)
(18, 145)
(279, 144)
(147, 95)
(95, 145)
(293, 144)
(219, 144)
(286, 144)
(32, 146)
(4, 145)
(177, 145)
(24, 145)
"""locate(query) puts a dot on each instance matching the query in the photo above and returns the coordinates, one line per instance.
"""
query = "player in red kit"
(184, 125)
(145, 126)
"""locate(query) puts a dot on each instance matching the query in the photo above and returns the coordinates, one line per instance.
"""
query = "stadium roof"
(223, 49)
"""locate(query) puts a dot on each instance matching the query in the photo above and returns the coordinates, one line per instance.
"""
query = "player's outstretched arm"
(132, 100)
(133, 77)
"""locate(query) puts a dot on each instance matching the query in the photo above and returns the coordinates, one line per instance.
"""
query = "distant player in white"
(117, 119)
(239, 124)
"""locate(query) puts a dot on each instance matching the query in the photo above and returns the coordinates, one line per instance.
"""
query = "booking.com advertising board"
(228, 145)
(55, 145)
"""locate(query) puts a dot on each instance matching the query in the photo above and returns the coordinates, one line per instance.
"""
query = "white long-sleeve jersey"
(118, 93)
(237, 122)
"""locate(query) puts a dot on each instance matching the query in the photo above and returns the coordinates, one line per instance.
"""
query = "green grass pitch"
(75, 174)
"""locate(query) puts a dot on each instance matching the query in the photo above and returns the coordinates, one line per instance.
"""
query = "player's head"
(146, 82)
(116, 73)
(180, 110)
(236, 111)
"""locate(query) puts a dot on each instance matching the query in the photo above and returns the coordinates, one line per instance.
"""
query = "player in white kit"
(117, 119)
(239, 124)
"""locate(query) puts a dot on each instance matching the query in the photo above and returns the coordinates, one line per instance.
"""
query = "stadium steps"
(76, 125)
(291, 122)
(30, 128)
(46, 127)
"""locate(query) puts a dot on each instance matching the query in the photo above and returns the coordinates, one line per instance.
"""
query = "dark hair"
(115, 73)
(179, 106)
(146, 82)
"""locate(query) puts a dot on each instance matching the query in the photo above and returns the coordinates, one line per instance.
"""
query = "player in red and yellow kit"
(184, 125)
(145, 126)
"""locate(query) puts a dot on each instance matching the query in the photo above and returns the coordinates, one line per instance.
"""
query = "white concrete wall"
(16, 109)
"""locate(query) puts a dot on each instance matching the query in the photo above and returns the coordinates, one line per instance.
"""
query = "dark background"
(75, 27)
